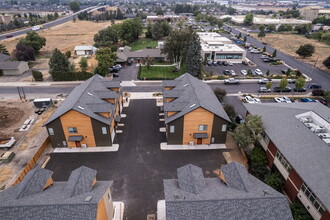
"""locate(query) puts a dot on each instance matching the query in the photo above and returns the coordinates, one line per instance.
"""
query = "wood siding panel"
(293, 175)
(101, 211)
(290, 190)
(84, 127)
(58, 137)
(168, 88)
(105, 114)
(169, 99)
(100, 138)
(111, 101)
(272, 148)
(192, 120)
(176, 137)
(270, 159)
(217, 133)
(325, 216)
(114, 89)
(170, 113)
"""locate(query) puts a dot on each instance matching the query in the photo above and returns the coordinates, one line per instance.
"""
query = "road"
(316, 74)
(46, 25)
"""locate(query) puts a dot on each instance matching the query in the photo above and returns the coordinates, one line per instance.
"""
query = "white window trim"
(51, 131)
(104, 130)
(172, 129)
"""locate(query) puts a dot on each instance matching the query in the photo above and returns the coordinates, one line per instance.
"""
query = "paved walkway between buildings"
(113, 148)
(165, 146)
(235, 154)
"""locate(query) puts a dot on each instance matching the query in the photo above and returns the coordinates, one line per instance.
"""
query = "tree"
(306, 50)
(119, 14)
(299, 212)
(267, 73)
(68, 54)
(300, 82)
(106, 37)
(271, 27)
(148, 33)
(193, 60)
(262, 34)
(230, 110)
(327, 95)
(258, 162)
(59, 63)
(248, 20)
(130, 30)
(83, 64)
(74, 6)
(261, 27)
(160, 29)
(24, 52)
(269, 85)
(274, 53)
(303, 28)
(220, 94)
(245, 38)
(106, 59)
(254, 123)
(37, 75)
(56, 15)
(242, 136)
(283, 83)
(326, 62)
(159, 11)
(239, 35)
(34, 40)
(148, 61)
(274, 180)
(176, 45)
(264, 49)
(3, 50)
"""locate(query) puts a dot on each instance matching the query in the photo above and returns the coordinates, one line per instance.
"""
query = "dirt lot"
(65, 36)
(289, 43)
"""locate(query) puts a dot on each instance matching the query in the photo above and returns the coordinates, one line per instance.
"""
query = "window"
(109, 196)
(312, 198)
(228, 56)
(202, 128)
(283, 161)
(224, 127)
(104, 130)
(51, 131)
(73, 130)
(172, 129)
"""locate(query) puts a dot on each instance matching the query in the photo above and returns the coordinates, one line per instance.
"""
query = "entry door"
(199, 140)
(78, 144)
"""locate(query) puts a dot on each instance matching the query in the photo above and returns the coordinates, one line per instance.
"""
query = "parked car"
(219, 63)
(307, 100)
(321, 100)
(232, 72)
(231, 81)
(39, 111)
(115, 74)
(230, 64)
(318, 92)
(214, 63)
(9, 35)
(255, 51)
(258, 72)
(286, 99)
(225, 63)
(264, 56)
(268, 60)
(244, 72)
(118, 66)
(264, 81)
(209, 63)
(287, 89)
(292, 81)
(239, 119)
(264, 90)
(300, 90)
(279, 100)
(256, 100)
(264, 43)
(226, 72)
(245, 63)
(249, 99)
(314, 86)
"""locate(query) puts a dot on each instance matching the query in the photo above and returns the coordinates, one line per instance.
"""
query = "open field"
(64, 36)
(289, 43)
(159, 72)
(142, 43)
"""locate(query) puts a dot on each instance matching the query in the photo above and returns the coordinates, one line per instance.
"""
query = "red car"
(322, 100)
(9, 36)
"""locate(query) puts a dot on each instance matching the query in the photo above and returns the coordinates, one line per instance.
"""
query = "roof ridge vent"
(193, 105)
(89, 93)
(185, 85)
(80, 107)
(100, 77)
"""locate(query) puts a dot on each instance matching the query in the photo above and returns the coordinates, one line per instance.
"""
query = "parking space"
(139, 167)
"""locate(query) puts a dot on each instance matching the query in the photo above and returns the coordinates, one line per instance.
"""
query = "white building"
(84, 50)
(218, 48)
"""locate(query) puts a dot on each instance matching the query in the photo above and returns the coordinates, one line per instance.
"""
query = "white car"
(279, 100)
(249, 99)
(256, 100)
(244, 72)
(258, 72)
(263, 81)
(232, 72)
(230, 64)
(286, 99)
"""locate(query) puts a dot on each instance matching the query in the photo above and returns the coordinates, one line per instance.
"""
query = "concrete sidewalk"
(235, 153)
(165, 146)
(113, 148)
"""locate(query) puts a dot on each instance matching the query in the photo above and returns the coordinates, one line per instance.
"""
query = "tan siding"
(84, 127)
(168, 88)
(101, 211)
(114, 89)
(192, 120)
(105, 114)
(111, 101)
(170, 113)
(169, 99)
(49, 183)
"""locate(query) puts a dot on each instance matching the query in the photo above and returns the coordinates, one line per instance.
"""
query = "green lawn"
(160, 73)
(143, 43)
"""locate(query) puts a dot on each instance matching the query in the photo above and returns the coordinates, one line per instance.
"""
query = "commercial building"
(218, 48)
(193, 114)
(38, 197)
(297, 142)
(235, 195)
(239, 19)
(89, 115)
(312, 12)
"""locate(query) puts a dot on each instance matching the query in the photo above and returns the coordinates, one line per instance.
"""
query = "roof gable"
(191, 178)
(80, 181)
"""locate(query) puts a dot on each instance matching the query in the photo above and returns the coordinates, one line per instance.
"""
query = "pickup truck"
(231, 81)
(7, 143)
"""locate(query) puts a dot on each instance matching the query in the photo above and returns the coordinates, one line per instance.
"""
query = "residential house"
(297, 142)
(4, 57)
(89, 115)
(39, 197)
(6, 19)
(234, 195)
(124, 54)
(193, 114)
(13, 68)
(312, 12)
(84, 50)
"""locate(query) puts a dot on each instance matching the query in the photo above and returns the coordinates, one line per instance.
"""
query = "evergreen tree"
(193, 62)
(274, 53)
(245, 38)
(325, 62)
(106, 59)
(262, 34)
(3, 49)
(83, 64)
(119, 15)
(59, 63)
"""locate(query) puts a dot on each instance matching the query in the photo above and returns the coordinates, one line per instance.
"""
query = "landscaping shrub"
(274, 180)
(220, 94)
(258, 162)
(299, 211)
(37, 75)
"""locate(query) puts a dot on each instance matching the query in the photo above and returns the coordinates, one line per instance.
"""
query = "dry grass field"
(65, 36)
(289, 43)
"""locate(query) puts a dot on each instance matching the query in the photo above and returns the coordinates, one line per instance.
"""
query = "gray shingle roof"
(34, 182)
(307, 153)
(80, 181)
(191, 178)
(10, 65)
(86, 98)
(195, 94)
(217, 201)
(156, 53)
(4, 57)
(236, 176)
(52, 203)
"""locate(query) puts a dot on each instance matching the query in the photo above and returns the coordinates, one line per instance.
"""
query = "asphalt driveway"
(139, 167)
